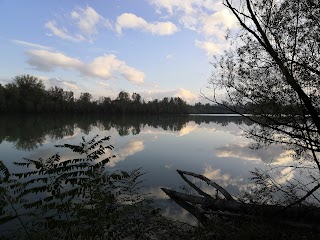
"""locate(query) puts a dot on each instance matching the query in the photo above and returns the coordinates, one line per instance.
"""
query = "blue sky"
(156, 48)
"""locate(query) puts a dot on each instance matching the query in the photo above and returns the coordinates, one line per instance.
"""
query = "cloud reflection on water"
(274, 154)
(130, 148)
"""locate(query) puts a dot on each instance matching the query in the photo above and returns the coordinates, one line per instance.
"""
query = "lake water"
(212, 145)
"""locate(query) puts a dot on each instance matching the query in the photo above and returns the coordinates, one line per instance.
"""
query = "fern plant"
(69, 198)
(77, 198)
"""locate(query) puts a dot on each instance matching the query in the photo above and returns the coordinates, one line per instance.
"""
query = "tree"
(123, 96)
(85, 97)
(136, 97)
(272, 72)
(55, 98)
(122, 102)
(2, 99)
(31, 92)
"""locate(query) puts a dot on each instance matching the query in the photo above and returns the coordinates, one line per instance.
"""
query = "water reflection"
(28, 132)
(208, 145)
(275, 155)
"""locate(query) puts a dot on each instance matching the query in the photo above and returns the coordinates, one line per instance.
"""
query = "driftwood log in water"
(205, 205)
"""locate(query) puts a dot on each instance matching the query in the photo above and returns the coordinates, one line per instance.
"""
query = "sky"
(157, 48)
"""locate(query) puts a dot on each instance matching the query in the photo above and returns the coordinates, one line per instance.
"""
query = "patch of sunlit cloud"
(62, 32)
(184, 94)
(274, 154)
(87, 20)
(127, 150)
(223, 179)
(185, 6)
(169, 56)
(190, 127)
(66, 85)
(83, 23)
(31, 45)
(211, 48)
(217, 24)
(103, 67)
(216, 176)
(132, 21)
(103, 84)
(237, 151)
(285, 175)
(210, 19)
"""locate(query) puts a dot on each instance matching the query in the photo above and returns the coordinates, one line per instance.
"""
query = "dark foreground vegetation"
(27, 94)
(77, 198)
(80, 198)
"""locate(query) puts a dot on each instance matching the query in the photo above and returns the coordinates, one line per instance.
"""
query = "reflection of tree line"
(27, 132)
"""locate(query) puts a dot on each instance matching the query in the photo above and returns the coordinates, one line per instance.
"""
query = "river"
(212, 145)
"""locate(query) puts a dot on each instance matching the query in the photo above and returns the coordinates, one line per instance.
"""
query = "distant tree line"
(28, 94)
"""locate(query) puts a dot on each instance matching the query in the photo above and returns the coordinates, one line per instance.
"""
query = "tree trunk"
(204, 206)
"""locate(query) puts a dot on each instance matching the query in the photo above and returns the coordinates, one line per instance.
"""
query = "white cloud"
(285, 175)
(190, 22)
(221, 178)
(104, 67)
(86, 23)
(44, 60)
(131, 74)
(4, 81)
(33, 45)
(131, 21)
(187, 129)
(190, 127)
(211, 48)
(65, 84)
(215, 174)
(160, 94)
(186, 95)
(103, 84)
(88, 19)
(131, 148)
(210, 19)
(274, 154)
(218, 23)
(62, 32)
(169, 56)
(186, 6)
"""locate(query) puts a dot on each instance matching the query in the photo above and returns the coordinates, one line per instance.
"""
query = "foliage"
(27, 94)
(62, 198)
(272, 72)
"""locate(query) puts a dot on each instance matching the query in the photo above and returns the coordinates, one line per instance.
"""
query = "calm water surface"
(212, 145)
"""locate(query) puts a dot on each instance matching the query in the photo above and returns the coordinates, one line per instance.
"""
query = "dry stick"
(224, 192)
(182, 203)
(18, 216)
(193, 185)
(303, 198)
